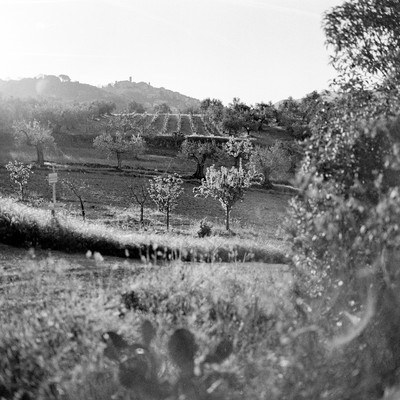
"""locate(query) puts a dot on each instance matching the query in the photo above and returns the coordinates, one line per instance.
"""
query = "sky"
(257, 50)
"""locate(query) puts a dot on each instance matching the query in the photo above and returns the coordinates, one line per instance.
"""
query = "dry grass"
(54, 308)
(25, 225)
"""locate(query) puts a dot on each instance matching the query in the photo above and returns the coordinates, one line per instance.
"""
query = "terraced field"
(199, 125)
(168, 124)
(172, 124)
(185, 125)
(158, 122)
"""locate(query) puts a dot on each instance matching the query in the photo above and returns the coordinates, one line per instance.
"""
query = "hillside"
(121, 93)
(148, 95)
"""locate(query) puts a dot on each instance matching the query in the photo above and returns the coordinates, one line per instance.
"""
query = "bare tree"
(141, 195)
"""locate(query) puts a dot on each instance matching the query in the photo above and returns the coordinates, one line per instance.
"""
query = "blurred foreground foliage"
(345, 221)
(213, 334)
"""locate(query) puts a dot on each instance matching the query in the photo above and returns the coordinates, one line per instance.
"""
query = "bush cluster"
(205, 229)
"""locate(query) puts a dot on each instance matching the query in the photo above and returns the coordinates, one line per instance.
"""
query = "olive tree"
(199, 152)
(35, 134)
(228, 186)
(119, 144)
(269, 161)
(165, 190)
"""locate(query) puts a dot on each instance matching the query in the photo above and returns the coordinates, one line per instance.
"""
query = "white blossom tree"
(165, 190)
(20, 174)
(34, 134)
(228, 186)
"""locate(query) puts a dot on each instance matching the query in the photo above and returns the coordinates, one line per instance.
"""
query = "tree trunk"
(57, 128)
(141, 213)
(267, 184)
(40, 156)
(199, 174)
(21, 192)
(167, 219)
(119, 160)
(82, 208)
(228, 211)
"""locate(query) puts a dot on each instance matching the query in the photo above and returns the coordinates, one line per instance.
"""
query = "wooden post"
(53, 212)
(52, 181)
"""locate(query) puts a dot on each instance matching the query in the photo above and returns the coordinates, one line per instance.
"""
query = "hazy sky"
(257, 50)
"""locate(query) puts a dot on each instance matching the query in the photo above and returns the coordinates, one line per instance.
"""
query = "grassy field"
(62, 304)
(55, 306)
(108, 198)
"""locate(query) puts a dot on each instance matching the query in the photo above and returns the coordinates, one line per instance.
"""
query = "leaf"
(182, 348)
(221, 353)
(148, 332)
(115, 345)
(115, 339)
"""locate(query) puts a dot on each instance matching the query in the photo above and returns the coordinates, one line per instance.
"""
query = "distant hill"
(121, 93)
(149, 96)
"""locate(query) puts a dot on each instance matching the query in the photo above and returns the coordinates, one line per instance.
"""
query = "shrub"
(205, 228)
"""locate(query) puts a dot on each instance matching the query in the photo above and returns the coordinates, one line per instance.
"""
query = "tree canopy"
(365, 37)
(199, 152)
